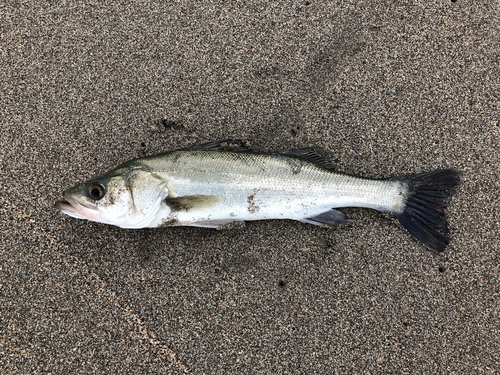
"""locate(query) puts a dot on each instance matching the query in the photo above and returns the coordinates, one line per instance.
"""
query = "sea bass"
(218, 183)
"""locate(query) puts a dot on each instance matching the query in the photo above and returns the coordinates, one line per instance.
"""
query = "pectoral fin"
(190, 202)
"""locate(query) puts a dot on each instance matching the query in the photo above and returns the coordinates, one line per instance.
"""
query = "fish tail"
(423, 214)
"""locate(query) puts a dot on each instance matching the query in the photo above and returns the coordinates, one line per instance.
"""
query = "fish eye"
(96, 191)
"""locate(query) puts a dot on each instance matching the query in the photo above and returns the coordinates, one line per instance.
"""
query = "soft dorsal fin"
(308, 154)
(233, 145)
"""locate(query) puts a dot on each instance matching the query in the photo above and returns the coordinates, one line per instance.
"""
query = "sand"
(382, 89)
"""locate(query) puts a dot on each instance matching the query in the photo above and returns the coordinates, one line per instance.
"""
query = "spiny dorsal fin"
(308, 154)
(233, 145)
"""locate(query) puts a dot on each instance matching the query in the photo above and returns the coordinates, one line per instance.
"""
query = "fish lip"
(63, 205)
(69, 206)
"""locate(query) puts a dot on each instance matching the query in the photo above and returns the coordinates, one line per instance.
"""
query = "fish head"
(126, 197)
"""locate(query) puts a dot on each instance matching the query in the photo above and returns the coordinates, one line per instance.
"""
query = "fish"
(214, 184)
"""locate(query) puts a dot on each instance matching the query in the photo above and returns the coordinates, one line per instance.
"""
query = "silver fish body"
(208, 186)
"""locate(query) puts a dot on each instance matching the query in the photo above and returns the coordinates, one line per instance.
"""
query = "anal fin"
(326, 218)
(216, 224)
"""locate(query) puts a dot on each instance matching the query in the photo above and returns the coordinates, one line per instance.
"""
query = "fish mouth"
(77, 210)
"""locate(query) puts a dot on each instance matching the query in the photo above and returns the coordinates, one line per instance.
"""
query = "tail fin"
(423, 215)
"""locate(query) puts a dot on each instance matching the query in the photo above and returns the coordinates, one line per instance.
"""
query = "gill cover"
(146, 191)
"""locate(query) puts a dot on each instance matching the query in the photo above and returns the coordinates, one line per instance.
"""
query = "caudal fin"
(427, 196)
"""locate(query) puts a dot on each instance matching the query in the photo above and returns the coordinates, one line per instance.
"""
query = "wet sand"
(381, 91)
